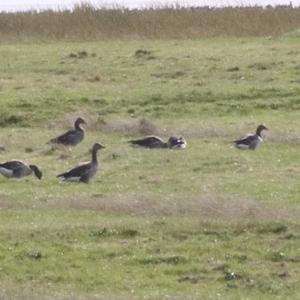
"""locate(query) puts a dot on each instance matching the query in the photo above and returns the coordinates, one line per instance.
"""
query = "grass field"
(210, 222)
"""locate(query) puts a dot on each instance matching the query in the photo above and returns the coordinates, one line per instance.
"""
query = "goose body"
(18, 169)
(71, 137)
(251, 141)
(155, 142)
(83, 172)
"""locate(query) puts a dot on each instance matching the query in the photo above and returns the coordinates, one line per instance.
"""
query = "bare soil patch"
(205, 207)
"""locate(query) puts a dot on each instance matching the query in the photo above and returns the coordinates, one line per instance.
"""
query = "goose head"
(37, 172)
(97, 146)
(260, 128)
(79, 121)
(177, 143)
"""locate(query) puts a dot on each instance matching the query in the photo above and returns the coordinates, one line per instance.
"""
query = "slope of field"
(210, 222)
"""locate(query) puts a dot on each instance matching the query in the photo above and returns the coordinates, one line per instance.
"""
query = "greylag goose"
(251, 141)
(18, 169)
(73, 136)
(83, 172)
(154, 142)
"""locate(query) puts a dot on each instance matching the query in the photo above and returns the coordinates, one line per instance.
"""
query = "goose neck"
(94, 156)
(77, 126)
(258, 132)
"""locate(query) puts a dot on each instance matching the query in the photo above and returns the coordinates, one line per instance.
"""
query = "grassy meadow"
(210, 222)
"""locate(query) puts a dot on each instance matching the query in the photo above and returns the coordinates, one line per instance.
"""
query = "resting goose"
(251, 141)
(154, 142)
(84, 172)
(71, 137)
(18, 169)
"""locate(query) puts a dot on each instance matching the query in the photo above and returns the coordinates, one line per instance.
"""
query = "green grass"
(210, 222)
(153, 257)
(190, 78)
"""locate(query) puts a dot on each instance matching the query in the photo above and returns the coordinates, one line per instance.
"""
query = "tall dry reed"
(86, 22)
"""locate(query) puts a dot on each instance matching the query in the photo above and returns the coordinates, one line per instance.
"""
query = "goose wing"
(149, 142)
(247, 139)
(71, 137)
(14, 168)
(78, 171)
(12, 165)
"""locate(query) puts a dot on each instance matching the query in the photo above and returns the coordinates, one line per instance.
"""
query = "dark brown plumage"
(18, 169)
(71, 137)
(251, 141)
(154, 142)
(84, 172)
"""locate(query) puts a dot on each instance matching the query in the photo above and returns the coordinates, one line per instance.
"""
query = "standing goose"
(73, 136)
(154, 142)
(18, 169)
(251, 141)
(84, 172)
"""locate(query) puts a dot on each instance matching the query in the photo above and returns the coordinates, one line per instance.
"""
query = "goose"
(73, 136)
(85, 171)
(155, 142)
(18, 169)
(251, 141)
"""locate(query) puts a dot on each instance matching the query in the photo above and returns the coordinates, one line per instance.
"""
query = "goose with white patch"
(19, 169)
(73, 136)
(155, 142)
(84, 172)
(251, 141)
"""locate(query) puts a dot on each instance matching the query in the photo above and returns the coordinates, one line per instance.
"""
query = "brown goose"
(73, 136)
(18, 169)
(251, 141)
(154, 142)
(84, 172)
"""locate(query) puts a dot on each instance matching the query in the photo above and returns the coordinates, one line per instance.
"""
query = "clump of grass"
(258, 66)
(276, 228)
(144, 54)
(233, 69)
(79, 54)
(31, 254)
(106, 232)
(11, 119)
(172, 75)
(172, 259)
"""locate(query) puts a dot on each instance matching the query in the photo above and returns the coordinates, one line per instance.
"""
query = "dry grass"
(284, 137)
(125, 126)
(86, 22)
(206, 207)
